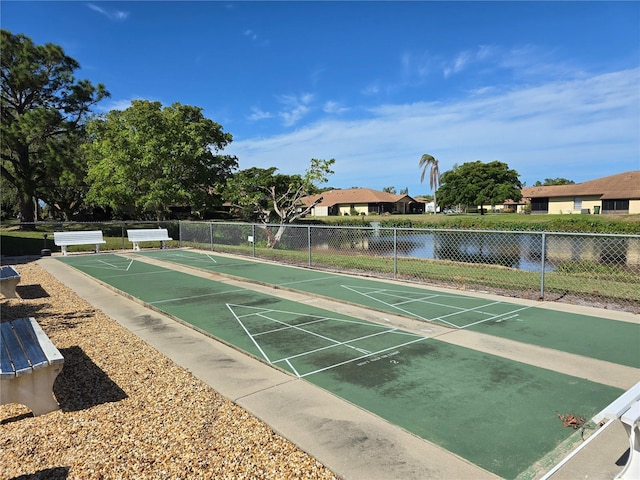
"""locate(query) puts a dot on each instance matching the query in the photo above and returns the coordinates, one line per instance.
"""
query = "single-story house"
(361, 201)
(618, 193)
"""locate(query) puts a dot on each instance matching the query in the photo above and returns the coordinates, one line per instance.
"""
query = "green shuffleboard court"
(585, 335)
(497, 413)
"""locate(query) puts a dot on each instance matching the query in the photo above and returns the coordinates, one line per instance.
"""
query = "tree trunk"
(27, 212)
(274, 240)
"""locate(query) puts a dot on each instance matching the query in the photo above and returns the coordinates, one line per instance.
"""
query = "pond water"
(515, 250)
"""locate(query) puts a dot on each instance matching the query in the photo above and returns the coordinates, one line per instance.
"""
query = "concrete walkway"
(353, 443)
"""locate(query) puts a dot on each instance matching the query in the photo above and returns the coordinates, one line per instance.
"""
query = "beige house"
(614, 194)
(361, 201)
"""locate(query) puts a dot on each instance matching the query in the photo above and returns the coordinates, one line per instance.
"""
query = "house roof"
(354, 195)
(620, 186)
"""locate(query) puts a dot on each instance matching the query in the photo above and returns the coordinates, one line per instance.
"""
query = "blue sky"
(550, 88)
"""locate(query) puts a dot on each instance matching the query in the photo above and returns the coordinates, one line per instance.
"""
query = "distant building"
(361, 201)
(614, 194)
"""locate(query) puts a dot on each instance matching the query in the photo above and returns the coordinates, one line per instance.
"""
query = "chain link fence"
(587, 269)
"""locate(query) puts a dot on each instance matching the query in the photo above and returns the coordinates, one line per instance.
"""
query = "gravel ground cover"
(128, 411)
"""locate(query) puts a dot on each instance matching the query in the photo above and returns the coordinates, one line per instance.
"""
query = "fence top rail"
(421, 229)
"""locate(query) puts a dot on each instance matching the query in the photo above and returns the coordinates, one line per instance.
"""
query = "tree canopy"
(43, 110)
(479, 184)
(147, 158)
(554, 181)
(259, 193)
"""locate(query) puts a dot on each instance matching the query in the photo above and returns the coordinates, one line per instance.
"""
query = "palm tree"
(427, 161)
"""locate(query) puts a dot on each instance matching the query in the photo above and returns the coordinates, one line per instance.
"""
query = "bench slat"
(88, 237)
(6, 368)
(631, 416)
(7, 271)
(50, 351)
(24, 331)
(620, 405)
(152, 234)
(16, 353)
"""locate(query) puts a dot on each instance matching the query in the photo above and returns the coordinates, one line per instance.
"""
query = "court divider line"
(362, 357)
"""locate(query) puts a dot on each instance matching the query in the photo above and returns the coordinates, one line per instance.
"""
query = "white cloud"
(334, 107)
(295, 107)
(121, 104)
(371, 89)
(258, 114)
(254, 37)
(578, 129)
(117, 15)
(250, 34)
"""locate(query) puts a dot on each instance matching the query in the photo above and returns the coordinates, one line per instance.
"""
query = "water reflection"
(515, 250)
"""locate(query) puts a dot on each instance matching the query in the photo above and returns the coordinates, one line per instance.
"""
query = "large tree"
(147, 158)
(42, 105)
(479, 184)
(260, 193)
(431, 163)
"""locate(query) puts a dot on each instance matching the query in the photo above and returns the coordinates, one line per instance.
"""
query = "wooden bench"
(9, 279)
(29, 364)
(91, 237)
(626, 408)
(148, 235)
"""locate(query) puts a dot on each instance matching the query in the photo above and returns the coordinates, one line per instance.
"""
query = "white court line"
(497, 316)
(262, 312)
(293, 369)
(156, 272)
(341, 344)
(294, 327)
(282, 329)
(249, 334)
(413, 314)
(178, 299)
(287, 312)
(441, 318)
(424, 300)
(117, 267)
(465, 310)
(360, 358)
(303, 281)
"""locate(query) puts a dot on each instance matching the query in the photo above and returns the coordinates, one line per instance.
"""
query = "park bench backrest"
(148, 234)
(88, 237)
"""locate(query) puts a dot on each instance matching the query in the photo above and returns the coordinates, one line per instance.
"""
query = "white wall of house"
(320, 211)
(361, 208)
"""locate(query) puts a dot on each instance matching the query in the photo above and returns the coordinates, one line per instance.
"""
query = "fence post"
(395, 253)
(309, 245)
(543, 255)
(253, 235)
(122, 228)
(211, 236)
